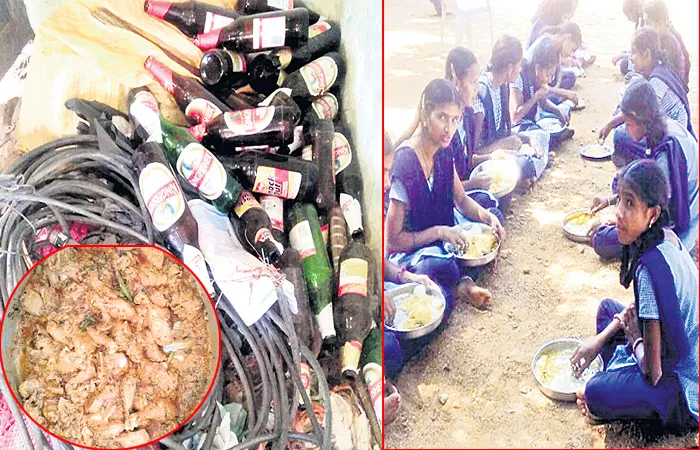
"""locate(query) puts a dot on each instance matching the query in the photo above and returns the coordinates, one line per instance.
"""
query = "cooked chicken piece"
(116, 364)
(157, 374)
(150, 276)
(159, 323)
(186, 304)
(58, 332)
(32, 302)
(116, 308)
(50, 410)
(141, 298)
(154, 256)
(158, 410)
(158, 298)
(82, 385)
(127, 390)
(101, 399)
(153, 352)
(29, 387)
(68, 361)
(103, 340)
(43, 347)
(83, 343)
(133, 438)
(110, 429)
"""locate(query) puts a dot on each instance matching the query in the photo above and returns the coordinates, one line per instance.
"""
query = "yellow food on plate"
(553, 369)
(597, 151)
(478, 245)
(580, 223)
(419, 310)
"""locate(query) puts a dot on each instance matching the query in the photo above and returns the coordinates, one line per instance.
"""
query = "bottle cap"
(207, 41)
(156, 8)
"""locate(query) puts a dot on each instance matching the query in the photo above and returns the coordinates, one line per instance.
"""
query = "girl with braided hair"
(649, 348)
(656, 16)
(653, 136)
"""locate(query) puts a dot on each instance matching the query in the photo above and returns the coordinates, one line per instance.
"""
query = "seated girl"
(566, 38)
(634, 13)
(550, 13)
(649, 348)
(649, 61)
(529, 104)
(656, 16)
(676, 151)
(425, 190)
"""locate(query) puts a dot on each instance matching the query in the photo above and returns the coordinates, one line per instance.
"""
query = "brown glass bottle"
(223, 70)
(261, 6)
(321, 132)
(260, 32)
(317, 77)
(168, 209)
(190, 17)
(253, 228)
(192, 98)
(270, 125)
(353, 306)
(271, 174)
(348, 181)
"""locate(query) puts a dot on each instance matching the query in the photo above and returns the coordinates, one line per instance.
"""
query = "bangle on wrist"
(637, 341)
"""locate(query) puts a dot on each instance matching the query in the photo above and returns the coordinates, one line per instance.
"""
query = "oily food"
(580, 223)
(113, 345)
(417, 309)
(553, 370)
(479, 243)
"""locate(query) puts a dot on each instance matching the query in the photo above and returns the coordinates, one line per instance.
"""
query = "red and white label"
(353, 277)
(298, 139)
(164, 199)
(319, 75)
(305, 375)
(302, 240)
(215, 21)
(319, 27)
(262, 235)
(342, 154)
(144, 108)
(326, 106)
(269, 32)
(202, 111)
(274, 207)
(194, 259)
(277, 182)
(202, 170)
(352, 211)
(249, 121)
(324, 233)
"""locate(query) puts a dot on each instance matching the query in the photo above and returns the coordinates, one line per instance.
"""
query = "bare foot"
(392, 403)
(468, 291)
(583, 407)
(551, 160)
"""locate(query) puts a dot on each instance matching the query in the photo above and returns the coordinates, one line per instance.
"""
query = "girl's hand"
(584, 355)
(542, 92)
(389, 308)
(497, 227)
(453, 235)
(604, 132)
(563, 117)
(629, 323)
(598, 203)
(422, 279)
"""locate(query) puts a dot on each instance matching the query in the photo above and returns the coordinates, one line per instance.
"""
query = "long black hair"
(507, 50)
(569, 28)
(633, 9)
(552, 12)
(459, 60)
(641, 103)
(646, 38)
(646, 179)
(657, 12)
(437, 92)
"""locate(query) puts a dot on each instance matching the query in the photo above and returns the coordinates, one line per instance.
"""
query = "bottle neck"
(161, 73)
(157, 8)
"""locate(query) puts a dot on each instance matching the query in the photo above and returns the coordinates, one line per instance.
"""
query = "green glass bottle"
(371, 362)
(305, 237)
(190, 159)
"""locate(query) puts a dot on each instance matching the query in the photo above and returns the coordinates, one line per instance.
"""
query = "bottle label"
(285, 56)
(305, 375)
(307, 153)
(281, 4)
(319, 75)
(194, 259)
(249, 121)
(302, 240)
(318, 28)
(245, 202)
(215, 21)
(238, 62)
(277, 182)
(350, 355)
(373, 379)
(353, 277)
(262, 235)
(144, 108)
(274, 207)
(324, 233)
(324, 318)
(269, 98)
(202, 170)
(269, 32)
(342, 154)
(162, 195)
(352, 211)
(254, 148)
(326, 107)
(201, 110)
(298, 139)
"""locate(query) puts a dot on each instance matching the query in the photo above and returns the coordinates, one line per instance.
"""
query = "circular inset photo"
(110, 346)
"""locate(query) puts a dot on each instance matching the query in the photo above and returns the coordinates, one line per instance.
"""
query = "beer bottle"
(196, 164)
(223, 70)
(271, 174)
(348, 181)
(168, 209)
(305, 237)
(190, 17)
(192, 98)
(261, 6)
(371, 363)
(253, 229)
(323, 107)
(270, 125)
(338, 236)
(280, 97)
(355, 287)
(317, 77)
(322, 155)
(260, 32)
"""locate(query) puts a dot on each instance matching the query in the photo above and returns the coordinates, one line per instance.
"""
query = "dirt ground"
(544, 286)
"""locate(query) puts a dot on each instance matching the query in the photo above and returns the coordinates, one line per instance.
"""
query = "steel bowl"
(586, 155)
(505, 166)
(476, 262)
(551, 346)
(404, 290)
(570, 235)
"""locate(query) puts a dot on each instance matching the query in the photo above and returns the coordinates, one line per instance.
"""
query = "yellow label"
(350, 356)
(353, 277)
(245, 202)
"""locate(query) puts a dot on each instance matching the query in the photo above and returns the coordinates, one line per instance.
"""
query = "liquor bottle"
(191, 18)
(305, 237)
(321, 132)
(317, 77)
(271, 174)
(270, 125)
(338, 236)
(192, 98)
(222, 70)
(260, 6)
(253, 228)
(280, 97)
(260, 32)
(355, 287)
(168, 209)
(348, 181)
(196, 164)
(371, 363)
